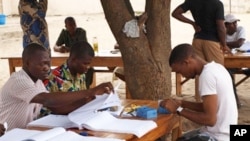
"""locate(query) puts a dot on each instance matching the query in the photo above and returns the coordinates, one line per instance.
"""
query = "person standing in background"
(210, 33)
(32, 19)
(209, 38)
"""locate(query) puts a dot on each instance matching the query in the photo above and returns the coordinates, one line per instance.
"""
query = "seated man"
(236, 35)
(218, 109)
(23, 95)
(71, 75)
(235, 38)
(68, 37)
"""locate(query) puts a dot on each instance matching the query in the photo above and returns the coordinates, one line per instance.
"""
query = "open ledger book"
(89, 117)
(55, 134)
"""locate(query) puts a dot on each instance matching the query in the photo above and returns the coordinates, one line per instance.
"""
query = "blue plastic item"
(2, 19)
(162, 110)
(146, 112)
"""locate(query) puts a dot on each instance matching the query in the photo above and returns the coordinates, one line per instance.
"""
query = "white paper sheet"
(55, 134)
(52, 121)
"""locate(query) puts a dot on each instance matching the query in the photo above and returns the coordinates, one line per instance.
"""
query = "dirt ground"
(95, 24)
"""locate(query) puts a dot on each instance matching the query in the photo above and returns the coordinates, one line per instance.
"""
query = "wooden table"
(238, 60)
(104, 59)
(166, 124)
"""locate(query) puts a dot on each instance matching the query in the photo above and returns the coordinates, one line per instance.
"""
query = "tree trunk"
(145, 58)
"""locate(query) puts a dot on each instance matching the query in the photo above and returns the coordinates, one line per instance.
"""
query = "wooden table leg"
(177, 130)
(178, 84)
(11, 66)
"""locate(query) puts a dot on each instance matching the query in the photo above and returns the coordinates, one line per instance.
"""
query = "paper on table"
(53, 121)
(87, 117)
(18, 134)
(55, 134)
(72, 136)
(245, 46)
(48, 134)
(104, 121)
(83, 112)
(246, 53)
(100, 102)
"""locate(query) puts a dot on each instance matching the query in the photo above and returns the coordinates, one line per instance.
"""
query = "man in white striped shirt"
(23, 95)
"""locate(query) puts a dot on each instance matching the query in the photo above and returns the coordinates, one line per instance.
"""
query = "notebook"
(90, 116)
(55, 134)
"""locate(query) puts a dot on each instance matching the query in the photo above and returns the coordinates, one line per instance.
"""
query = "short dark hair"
(80, 49)
(180, 53)
(31, 49)
(69, 19)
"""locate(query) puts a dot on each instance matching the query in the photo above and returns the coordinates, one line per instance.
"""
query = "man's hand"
(226, 50)
(170, 104)
(196, 27)
(103, 88)
(61, 49)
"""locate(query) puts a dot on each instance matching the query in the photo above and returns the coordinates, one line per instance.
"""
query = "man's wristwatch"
(179, 109)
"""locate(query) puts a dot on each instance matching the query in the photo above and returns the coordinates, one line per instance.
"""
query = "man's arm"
(236, 44)
(66, 102)
(221, 29)
(178, 14)
(59, 46)
(202, 113)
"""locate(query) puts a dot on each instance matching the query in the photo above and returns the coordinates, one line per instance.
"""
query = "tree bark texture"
(145, 58)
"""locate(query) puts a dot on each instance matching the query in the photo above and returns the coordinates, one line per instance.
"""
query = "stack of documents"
(244, 48)
(96, 116)
(55, 134)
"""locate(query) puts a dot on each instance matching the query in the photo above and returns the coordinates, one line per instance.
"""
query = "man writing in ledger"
(218, 109)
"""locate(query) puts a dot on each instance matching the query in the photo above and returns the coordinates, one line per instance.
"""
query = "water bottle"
(95, 45)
